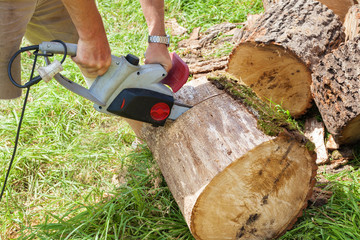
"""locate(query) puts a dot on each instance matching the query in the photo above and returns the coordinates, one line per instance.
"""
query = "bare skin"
(154, 14)
(94, 54)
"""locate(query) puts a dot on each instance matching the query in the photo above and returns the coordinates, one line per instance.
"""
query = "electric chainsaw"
(140, 92)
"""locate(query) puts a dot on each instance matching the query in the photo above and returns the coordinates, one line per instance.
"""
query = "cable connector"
(49, 71)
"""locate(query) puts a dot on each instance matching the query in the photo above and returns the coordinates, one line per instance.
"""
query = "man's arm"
(94, 54)
(93, 51)
(154, 14)
(156, 52)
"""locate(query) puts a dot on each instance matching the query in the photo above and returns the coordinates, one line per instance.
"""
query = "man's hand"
(154, 14)
(93, 54)
(93, 57)
(158, 53)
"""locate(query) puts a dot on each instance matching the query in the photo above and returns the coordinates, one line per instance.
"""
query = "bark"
(340, 7)
(268, 3)
(230, 179)
(352, 23)
(199, 49)
(276, 56)
(336, 91)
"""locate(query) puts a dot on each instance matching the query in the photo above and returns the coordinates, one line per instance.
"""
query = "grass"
(79, 174)
(339, 218)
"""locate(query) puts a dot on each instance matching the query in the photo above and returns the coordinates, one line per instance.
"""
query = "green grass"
(79, 175)
(339, 218)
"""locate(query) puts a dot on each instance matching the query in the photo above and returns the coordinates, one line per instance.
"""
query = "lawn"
(79, 174)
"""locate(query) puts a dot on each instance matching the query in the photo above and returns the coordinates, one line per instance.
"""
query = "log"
(340, 7)
(352, 23)
(276, 56)
(336, 91)
(229, 178)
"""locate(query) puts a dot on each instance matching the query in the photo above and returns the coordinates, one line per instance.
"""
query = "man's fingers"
(92, 70)
(92, 73)
(158, 53)
(166, 65)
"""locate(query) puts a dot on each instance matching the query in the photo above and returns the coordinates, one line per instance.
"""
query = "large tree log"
(340, 7)
(352, 23)
(336, 90)
(230, 179)
(276, 56)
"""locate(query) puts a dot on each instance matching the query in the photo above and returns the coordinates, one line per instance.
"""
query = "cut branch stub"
(276, 55)
(336, 90)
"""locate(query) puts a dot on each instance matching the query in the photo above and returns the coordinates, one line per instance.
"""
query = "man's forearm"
(93, 52)
(154, 14)
(85, 17)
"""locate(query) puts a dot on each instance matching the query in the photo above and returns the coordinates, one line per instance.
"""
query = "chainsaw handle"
(58, 48)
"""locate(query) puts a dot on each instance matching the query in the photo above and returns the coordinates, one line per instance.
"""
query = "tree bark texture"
(276, 56)
(340, 7)
(352, 23)
(230, 180)
(336, 91)
(267, 3)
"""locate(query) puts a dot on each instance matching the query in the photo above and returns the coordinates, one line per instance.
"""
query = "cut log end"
(255, 197)
(274, 73)
(351, 132)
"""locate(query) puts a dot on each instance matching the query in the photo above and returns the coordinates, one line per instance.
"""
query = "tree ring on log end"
(274, 73)
(255, 196)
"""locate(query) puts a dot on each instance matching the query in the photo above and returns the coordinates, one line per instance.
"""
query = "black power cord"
(33, 80)
(16, 143)
(27, 85)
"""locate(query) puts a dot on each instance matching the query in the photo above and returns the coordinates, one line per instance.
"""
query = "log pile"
(281, 63)
(276, 55)
(232, 161)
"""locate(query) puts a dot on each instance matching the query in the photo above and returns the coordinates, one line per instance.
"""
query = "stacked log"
(336, 84)
(336, 90)
(340, 7)
(276, 55)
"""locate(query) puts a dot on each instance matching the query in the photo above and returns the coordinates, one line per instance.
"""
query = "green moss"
(272, 119)
(310, 146)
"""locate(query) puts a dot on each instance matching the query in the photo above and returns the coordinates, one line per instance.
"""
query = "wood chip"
(315, 131)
